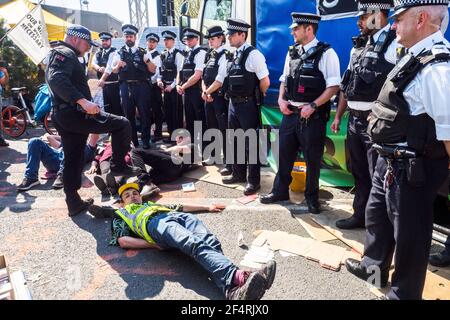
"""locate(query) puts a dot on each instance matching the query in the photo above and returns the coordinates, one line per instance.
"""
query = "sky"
(116, 8)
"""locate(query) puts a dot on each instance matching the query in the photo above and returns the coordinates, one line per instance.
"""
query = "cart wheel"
(14, 122)
(48, 124)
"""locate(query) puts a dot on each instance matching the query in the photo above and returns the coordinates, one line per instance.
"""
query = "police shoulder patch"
(439, 48)
(65, 52)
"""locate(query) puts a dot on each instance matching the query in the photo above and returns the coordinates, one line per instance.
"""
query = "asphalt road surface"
(66, 258)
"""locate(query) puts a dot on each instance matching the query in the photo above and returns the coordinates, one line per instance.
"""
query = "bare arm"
(214, 87)
(196, 77)
(327, 95)
(192, 208)
(447, 146)
(342, 106)
(264, 85)
(54, 141)
(284, 105)
(134, 243)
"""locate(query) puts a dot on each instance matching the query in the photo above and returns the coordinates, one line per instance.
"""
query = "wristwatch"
(313, 105)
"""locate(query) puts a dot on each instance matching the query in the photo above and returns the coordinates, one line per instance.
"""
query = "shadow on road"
(8, 193)
(146, 271)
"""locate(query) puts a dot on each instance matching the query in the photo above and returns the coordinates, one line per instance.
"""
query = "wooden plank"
(353, 238)
(315, 230)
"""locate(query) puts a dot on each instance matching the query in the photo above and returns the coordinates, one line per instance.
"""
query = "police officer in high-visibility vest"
(410, 128)
(190, 80)
(369, 66)
(171, 64)
(247, 82)
(155, 92)
(75, 116)
(310, 79)
(216, 106)
(110, 84)
(134, 65)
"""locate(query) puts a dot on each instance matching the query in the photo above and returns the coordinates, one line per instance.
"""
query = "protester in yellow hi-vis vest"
(138, 225)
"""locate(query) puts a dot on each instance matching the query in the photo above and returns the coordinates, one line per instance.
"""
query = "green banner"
(334, 164)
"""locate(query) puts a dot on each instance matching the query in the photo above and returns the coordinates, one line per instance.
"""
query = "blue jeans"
(188, 234)
(39, 151)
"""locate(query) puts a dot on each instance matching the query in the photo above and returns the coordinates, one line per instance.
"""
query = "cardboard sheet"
(315, 230)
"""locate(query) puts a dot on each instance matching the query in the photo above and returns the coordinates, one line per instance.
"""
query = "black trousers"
(173, 110)
(156, 105)
(300, 135)
(136, 94)
(163, 168)
(216, 114)
(363, 161)
(111, 98)
(74, 128)
(194, 109)
(246, 116)
(400, 220)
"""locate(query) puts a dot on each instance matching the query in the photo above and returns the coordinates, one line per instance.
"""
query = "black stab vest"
(391, 122)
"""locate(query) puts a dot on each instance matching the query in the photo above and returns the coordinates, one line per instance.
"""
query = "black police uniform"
(193, 102)
(111, 91)
(399, 214)
(173, 108)
(217, 111)
(242, 88)
(67, 81)
(305, 83)
(134, 91)
(363, 83)
(156, 103)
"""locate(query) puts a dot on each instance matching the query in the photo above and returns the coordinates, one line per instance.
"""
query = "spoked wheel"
(14, 122)
(48, 124)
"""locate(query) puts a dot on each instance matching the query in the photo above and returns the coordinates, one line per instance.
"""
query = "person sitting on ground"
(138, 225)
(52, 157)
(101, 165)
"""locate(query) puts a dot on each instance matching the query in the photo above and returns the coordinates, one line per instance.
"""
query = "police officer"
(110, 84)
(369, 66)
(190, 80)
(216, 106)
(155, 91)
(411, 130)
(310, 79)
(75, 116)
(248, 81)
(171, 64)
(134, 67)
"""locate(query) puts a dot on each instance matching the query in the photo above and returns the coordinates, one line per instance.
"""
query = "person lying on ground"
(101, 166)
(138, 225)
(52, 157)
(166, 164)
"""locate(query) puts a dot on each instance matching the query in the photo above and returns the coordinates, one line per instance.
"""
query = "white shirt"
(199, 59)
(156, 62)
(223, 65)
(256, 62)
(328, 65)
(390, 55)
(429, 92)
(115, 58)
(179, 61)
(95, 61)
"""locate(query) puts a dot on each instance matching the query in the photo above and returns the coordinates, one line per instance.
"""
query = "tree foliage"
(22, 71)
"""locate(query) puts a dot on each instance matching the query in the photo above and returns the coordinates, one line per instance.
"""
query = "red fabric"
(107, 154)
